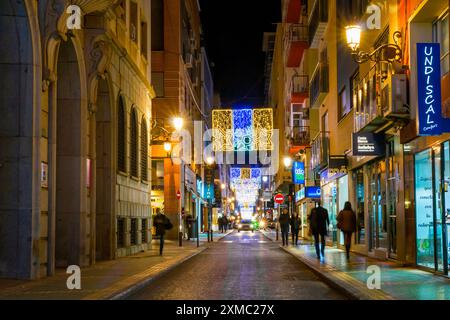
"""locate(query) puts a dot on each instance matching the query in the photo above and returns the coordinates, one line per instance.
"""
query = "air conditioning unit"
(189, 60)
(394, 97)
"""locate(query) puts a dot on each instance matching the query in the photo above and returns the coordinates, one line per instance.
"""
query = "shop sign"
(313, 192)
(429, 89)
(298, 172)
(368, 144)
(209, 191)
(300, 195)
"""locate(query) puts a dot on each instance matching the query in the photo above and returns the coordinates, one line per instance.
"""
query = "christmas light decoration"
(242, 129)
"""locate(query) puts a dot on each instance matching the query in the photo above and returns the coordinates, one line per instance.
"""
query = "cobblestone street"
(242, 266)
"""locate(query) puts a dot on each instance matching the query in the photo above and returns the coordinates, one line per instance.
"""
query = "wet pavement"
(242, 266)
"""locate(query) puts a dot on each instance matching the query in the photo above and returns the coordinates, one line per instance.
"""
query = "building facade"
(74, 135)
(367, 141)
(184, 89)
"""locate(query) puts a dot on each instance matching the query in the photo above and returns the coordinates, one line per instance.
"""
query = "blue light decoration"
(243, 129)
(429, 89)
(298, 172)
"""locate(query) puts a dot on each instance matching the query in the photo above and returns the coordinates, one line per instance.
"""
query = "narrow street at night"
(241, 266)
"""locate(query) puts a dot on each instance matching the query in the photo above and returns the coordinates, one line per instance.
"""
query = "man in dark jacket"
(161, 223)
(319, 222)
(285, 221)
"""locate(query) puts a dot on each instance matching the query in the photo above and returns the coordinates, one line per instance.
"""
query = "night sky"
(233, 33)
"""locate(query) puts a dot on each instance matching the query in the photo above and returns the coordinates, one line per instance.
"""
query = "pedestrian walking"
(346, 222)
(296, 224)
(220, 223)
(225, 223)
(284, 221)
(319, 222)
(161, 223)
(189, 223)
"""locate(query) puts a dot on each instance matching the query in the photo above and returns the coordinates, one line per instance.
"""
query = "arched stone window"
(134, 144)
(144, 150)
(121, 137)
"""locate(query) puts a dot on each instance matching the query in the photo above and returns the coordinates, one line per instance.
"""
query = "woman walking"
(346, 221)
(296, 224)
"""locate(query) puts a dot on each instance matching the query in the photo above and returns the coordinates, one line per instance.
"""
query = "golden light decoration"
(222, 137)
(262, 129)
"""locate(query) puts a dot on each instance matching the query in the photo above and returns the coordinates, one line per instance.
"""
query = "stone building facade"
(74, 134)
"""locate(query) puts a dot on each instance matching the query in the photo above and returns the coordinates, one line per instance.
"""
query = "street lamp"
(287, 161)
(223, 186)
(178, 123)
(265, 179)
(210, 161)
(390, 52)
(167, 147)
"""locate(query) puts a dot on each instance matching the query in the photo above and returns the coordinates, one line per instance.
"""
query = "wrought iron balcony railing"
(319, 86)
(320, 150)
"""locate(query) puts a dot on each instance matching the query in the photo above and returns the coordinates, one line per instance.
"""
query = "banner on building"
(429, 89)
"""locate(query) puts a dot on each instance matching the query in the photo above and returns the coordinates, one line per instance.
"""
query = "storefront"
(334, 193)
(376, 178)
(432, 204)
(305, 200)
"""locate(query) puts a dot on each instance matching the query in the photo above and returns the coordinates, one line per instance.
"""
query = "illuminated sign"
(429, 89)
(300, 195)
(368, 144)
(312, 192)
(298, 172)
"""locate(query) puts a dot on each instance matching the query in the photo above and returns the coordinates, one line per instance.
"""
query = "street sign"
(279, 198)
(178, 195)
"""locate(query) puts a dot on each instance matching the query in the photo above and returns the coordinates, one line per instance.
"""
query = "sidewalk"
(397, 282)
(113, 279)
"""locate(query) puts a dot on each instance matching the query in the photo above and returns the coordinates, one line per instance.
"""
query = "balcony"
(297, 43)
(300, 139)
(293, 9)
(319, 86)
(368, 111)
(318, 21)
(299, 88)
(320, 151)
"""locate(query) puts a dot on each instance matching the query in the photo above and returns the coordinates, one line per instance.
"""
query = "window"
(144, 230)
(121, 156)
(441, 34)
(157, 25)
(120, 233)
(344, 105)
(358, 177)
(133, 144)
(144, 47)
(144, 150)
(133, 232)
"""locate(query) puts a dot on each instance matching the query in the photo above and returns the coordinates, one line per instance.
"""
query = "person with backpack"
(346, 222)
(161, 223)
(319, 222)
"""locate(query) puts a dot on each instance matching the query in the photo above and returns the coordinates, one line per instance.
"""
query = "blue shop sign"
(429, 89)
(313, 192)
(298, 172)
(209, 191)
